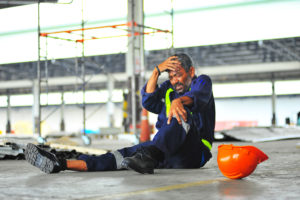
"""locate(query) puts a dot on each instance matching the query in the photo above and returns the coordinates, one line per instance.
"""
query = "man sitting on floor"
(186, 120)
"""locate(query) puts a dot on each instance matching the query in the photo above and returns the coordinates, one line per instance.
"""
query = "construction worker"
(186, 120)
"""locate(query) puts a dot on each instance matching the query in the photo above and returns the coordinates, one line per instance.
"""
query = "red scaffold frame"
(116, 26)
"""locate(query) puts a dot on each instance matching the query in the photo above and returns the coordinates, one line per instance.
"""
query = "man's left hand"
(177, 110)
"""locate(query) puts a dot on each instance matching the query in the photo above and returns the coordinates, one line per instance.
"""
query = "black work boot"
(143, 161)
(45, 161)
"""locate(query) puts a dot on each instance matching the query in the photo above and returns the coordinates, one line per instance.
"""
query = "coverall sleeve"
(153, 101)
(201, 91)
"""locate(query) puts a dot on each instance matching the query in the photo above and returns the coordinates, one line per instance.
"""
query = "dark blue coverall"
(184, 146)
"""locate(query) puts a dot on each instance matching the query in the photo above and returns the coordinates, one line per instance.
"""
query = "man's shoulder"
(203, 77)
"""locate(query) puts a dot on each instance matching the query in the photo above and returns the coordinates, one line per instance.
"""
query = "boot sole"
(33, 156)
(139, 169)
(143, 171)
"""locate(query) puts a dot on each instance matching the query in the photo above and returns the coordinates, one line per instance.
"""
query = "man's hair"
(185, 60)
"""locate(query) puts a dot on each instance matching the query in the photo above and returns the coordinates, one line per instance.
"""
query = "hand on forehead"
(176, 62)
(174, 58)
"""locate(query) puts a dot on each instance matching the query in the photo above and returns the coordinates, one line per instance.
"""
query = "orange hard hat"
(237, 162)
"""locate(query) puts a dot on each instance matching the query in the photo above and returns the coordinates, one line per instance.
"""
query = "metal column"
(110, 104)
(135, 67)
(62, 113)
(36, 107)
(83, 71)
(37, 85)
(273, 103)
(172, 20)
(8, 125)
(86, 139)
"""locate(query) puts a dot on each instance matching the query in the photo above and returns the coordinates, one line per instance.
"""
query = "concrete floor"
(276, 178)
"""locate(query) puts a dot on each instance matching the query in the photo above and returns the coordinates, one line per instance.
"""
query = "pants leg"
(104, 162)
(171, 136)
(110, 161)
(191, 154)
(181, 145)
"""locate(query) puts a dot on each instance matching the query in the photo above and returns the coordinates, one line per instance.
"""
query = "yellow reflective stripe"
(206, 143)
(168, 101)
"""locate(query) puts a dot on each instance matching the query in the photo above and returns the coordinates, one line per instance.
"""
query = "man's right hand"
(171, 63)
(177, 110)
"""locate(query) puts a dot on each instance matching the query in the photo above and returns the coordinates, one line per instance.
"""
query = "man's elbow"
(152, 109)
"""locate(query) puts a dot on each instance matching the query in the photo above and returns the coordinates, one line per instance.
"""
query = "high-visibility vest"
(168, 106)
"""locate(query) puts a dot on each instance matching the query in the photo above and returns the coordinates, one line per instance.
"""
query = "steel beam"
(122, 77)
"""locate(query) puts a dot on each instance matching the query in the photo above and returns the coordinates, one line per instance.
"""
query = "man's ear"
(192, 71)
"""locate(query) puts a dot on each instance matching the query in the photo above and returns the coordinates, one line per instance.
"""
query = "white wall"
(73, 117)
(237, 109)
(258, 109)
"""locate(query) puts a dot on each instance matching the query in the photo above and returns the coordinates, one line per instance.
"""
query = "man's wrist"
(157, 69)
(155, 72)
(186, 100)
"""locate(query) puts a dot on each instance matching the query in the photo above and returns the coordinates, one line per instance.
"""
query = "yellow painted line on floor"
(159, 189)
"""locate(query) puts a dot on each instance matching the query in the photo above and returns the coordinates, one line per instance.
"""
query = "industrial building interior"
(71, 72)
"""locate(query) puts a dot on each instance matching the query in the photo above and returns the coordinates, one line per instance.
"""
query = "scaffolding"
(131, 29)
(125, 28)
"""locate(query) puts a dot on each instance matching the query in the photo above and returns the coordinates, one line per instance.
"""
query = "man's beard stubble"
(185, 87)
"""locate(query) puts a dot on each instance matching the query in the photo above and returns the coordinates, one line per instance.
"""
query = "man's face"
(180, 79)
